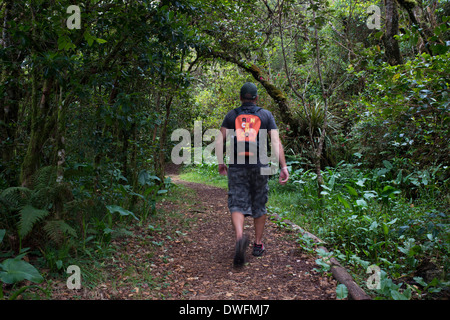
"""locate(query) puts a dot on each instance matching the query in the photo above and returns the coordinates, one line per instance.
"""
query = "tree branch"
(276, 94)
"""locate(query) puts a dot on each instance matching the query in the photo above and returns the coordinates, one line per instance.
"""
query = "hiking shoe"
(239, 255)
(258, 249)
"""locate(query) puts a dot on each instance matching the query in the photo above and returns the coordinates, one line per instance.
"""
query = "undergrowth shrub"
(42, 204)
(388, 216)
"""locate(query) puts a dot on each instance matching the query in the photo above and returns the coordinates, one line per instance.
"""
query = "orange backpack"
(247, 124)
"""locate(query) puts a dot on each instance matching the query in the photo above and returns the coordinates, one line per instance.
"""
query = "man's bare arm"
(219, 150)
(277, 148)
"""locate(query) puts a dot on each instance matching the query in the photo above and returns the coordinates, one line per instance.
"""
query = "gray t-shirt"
(267, 124)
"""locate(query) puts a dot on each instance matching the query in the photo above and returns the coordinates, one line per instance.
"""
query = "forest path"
(185, 252)
(201, 263)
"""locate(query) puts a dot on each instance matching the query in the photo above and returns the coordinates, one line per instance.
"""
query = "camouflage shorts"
(247, 191)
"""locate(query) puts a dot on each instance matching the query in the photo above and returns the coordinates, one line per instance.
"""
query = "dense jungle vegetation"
(361, 101)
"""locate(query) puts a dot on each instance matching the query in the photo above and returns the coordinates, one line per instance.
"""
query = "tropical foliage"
(89, 100)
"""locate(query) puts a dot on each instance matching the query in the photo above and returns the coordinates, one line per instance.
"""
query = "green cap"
(249, 91)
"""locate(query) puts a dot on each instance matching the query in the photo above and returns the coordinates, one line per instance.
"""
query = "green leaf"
(325, 266)
(89, 38)
(398, 180)
(108, 230)
(150, 190)
(378, 34)
(15, 270)
(29, 215)
(121, 211)
(385, 229)
(351, 190)
(387, 164)
(344, 202)
(420, 281)
(369, 194)
(16, 197)
(396, 295)
(65, 43)
(143, 177)
(56, 229)
(62, 42)
(362, 203)
(100, 40)
(388, 190)
(341, 291)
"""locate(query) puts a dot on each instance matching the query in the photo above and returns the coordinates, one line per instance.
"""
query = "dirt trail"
(202, 267)
(190, 257)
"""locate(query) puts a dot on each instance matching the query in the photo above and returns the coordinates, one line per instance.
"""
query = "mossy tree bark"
(391, 44)
(44, 116)
(10, 79)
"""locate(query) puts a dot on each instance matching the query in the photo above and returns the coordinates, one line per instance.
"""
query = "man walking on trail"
(248, 128)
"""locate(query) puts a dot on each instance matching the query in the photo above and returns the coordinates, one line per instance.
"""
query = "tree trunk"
(124, 152)
(392, 49)
(43, 122)
(162, 143)
(9, 108)
(133, 164)
(60, 140)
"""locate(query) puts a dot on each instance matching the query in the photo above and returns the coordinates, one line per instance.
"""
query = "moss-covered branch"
(275, 93)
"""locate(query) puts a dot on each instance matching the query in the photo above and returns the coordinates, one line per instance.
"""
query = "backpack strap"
(242, 110)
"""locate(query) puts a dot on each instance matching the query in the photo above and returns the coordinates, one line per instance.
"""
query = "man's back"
(267, 123)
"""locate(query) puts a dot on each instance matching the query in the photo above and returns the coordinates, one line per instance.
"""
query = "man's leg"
(260, 190)
(242, 240)
(238, 200)
(259, 228)
(237, 219)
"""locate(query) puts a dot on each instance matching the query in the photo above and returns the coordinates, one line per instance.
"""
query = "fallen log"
(341, 275)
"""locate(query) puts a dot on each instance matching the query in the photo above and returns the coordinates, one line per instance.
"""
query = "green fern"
(4, 206)
(44, 177)
(41, 198)
(29, 216)
(34, 205)
(57, 229)
(26, 207)
(15, 197)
